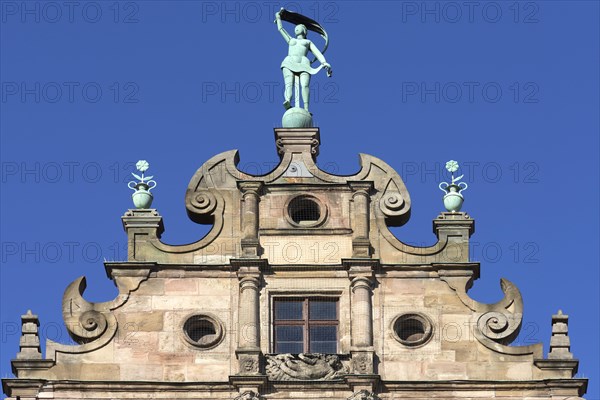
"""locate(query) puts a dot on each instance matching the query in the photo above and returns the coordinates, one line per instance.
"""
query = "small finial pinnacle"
(142, 198)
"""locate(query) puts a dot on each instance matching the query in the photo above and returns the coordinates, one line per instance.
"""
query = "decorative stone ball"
(296, 117)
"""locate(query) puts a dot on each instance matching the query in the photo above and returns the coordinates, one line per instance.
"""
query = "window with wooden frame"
(305, 325)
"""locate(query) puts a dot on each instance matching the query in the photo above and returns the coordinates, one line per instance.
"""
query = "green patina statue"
(296, 66)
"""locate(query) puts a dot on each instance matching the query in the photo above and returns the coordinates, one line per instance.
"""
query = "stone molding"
(22, 387)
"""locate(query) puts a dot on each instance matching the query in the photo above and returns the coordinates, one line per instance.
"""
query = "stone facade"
(197, 321)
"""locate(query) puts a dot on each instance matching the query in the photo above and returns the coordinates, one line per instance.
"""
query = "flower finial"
(142, 165)
(142, 198)
(453, 199)
(452, 166)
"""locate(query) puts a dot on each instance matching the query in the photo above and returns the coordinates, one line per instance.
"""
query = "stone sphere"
(296, 117)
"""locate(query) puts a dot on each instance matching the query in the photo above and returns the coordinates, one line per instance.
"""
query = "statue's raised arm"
(286, 36)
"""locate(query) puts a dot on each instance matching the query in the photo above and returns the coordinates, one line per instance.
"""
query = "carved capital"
(360, 268)
(249, 282)
(250, 188)
(297, 140)
(362, 282)
(361, 188)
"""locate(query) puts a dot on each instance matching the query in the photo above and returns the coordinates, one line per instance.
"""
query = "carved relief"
(248, 364)
(364, 395)
(362, 364)
(249, 395)
(288, 367)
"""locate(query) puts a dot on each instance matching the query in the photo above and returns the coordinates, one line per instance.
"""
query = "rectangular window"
(306, 325)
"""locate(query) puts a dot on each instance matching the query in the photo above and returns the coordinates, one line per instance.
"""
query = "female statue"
(296, 66)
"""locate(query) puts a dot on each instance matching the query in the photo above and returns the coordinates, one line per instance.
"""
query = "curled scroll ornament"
(91, 325)
(392, 204)
(85, 321)
(202, 202)
(497, 325)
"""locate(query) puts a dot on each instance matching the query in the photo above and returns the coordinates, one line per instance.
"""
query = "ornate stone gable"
(299, 290)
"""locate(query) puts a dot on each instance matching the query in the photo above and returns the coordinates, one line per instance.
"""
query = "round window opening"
(306, 211)
(202, 331)
(413, 329)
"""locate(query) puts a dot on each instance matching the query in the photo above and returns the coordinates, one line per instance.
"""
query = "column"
(248, 310)
(250, 198)
(360, 272)
(361, 246)
(249, 377)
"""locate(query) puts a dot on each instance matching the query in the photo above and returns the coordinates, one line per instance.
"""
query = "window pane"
(323, 339)
(288, 309)
(289, 339)
(321, 310)
(288, 333)
(323, 347)
(289, 347)
(323, 333)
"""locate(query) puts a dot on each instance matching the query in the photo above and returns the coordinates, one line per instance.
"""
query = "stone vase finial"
(453, 198)
(142, 198)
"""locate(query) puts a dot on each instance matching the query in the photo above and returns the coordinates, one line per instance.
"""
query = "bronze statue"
(296, 67)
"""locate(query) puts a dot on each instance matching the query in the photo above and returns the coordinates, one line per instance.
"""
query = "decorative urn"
(142, 198)
(453, 198)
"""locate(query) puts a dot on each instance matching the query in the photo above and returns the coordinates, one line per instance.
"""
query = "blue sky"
(509, 89)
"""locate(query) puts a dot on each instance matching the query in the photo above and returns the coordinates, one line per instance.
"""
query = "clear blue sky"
(509, 89)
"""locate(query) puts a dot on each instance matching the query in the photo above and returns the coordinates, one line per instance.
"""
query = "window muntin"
(306, 325)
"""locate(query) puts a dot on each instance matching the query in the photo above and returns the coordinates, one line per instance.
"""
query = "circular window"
(202, 330)
(306, 211)
(413, 329)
